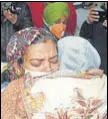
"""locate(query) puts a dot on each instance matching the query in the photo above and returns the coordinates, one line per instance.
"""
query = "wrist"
(89, 22)
(14, 20)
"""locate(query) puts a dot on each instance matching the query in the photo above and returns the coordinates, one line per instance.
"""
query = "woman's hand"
(11, 17)
(88, 74)
(93, 15)
(95, 72)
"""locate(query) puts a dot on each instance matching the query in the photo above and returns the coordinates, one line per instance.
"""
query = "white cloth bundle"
(72, 97)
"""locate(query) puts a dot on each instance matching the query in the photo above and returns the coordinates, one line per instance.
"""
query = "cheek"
(29, 66)
(55, 66)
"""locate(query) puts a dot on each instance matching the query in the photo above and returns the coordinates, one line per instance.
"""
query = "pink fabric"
(72, 21)
(37, 15)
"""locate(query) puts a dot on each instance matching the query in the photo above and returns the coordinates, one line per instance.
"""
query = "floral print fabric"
(79, 105)
(18, 44)
(82, 99)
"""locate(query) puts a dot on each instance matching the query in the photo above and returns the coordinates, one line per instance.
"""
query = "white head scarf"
(77, 53)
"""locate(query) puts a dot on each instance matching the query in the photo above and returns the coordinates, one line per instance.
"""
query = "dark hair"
(40, 41)
(43, 37)
(3, 50)
(5, 76)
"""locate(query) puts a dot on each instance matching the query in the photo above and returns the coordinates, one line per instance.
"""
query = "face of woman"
(41, 57)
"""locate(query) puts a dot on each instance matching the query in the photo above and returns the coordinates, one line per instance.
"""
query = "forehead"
(41, 49)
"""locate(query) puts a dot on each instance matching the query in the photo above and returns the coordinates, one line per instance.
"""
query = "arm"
(24, 18)
(86, 30)
(88, 26)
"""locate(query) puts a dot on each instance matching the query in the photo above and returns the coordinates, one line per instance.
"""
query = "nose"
(47, 66)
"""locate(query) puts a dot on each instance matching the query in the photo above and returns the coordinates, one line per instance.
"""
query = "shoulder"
(9, 98)
(13, 87)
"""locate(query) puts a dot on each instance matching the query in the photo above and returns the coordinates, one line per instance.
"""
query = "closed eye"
(36, 63)
(54, 60)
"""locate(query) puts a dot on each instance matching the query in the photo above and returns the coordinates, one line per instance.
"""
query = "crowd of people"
(45, 37)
